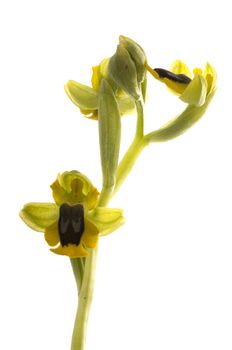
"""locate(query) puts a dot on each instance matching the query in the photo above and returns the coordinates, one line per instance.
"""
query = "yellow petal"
(99, 72)
(90, 235)
(91, 199)
(197, 71)
(71, 250)
(51, 234)
(211, 77)
(95, 77)
(73, 187)
(179, 67)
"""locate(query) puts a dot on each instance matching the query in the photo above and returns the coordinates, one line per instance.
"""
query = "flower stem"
(133, 151)
(128, 161)
(78, 270)
(84, 303)
(140, 119)
(85, 273)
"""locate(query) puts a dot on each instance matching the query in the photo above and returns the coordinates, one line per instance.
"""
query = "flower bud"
(127, 67)
(137, 55)
(123, 71)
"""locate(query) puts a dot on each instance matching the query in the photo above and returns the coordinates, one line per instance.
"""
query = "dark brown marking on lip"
(178, 78)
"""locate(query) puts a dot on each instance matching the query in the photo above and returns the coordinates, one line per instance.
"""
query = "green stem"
(140, 119)
(85, 284)
(85, 273)
(84, 303)
(128, 161)
(133, 151)
(105, 196)
(78, 270)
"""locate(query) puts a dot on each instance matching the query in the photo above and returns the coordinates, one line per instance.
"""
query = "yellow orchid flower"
(125, 71)
(191, 88)
(197, 90)
(86, 98)
(73, 223)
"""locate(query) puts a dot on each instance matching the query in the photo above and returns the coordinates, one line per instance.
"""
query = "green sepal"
(81, 95)
(39, 216)
(106, 219)
(109, 133)
(123, 71)
(144, 89)
(137, 55)
(196, 91)
(126, 104)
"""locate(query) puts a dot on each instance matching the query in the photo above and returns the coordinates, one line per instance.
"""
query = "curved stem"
(84, 303)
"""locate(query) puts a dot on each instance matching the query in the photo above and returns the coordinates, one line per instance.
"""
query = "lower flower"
(73, 223)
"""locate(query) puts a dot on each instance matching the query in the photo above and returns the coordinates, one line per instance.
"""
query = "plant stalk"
(84, 302)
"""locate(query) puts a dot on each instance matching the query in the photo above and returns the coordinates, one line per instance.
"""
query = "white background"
(163, 279)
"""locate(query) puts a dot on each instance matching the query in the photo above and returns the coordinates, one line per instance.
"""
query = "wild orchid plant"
(79, 216)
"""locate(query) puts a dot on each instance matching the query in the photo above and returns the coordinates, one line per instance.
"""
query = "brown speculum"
(178, 78)
(71, 224)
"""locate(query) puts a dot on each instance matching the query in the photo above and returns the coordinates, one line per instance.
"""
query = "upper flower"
(125, 72)
(86, 98)
(197, 90)
(73, 223)
(191, 88)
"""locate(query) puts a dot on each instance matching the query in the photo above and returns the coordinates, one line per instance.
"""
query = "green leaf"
(39, 216)
(109, 133)
(106, 219)
(81, 95)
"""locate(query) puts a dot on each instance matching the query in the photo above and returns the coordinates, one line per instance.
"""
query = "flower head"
(125, 71)
(73, 223)
(87, 98)
(192, 88)
(197, 90)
